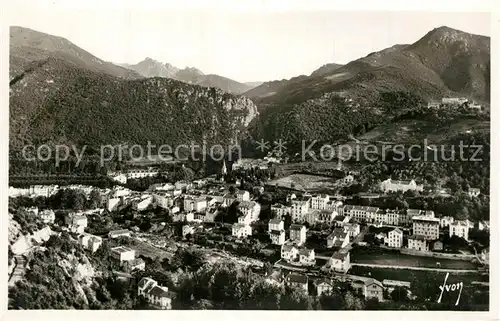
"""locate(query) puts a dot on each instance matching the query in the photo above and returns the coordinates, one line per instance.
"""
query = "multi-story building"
(242, 196)
(370, 288)
(323, 286)
(241, 230)
(393, 217)
(338, 238)
(250, 207)
(119, 233)
(474, 192)
(335, 206)
(249, 163)
(390, 185)
(417, 242)
(277, 237)
(298, 281)
(122, 253)
(195, 204)
(361, 213)
(157, 296)
(394, 238)
(289, 252)
(454, 100)
(460, 229)
(276, 225)
(445, 221)
(340, 262)
(141, 173)
(319, 202)
(90, 242)
(306, 257)
(277, 231)
(134, 265)
(47, 216)
(298, 234)
(280, 210)
(353, 229)
(413, 212)
(299, 210)
(43, 190)
(426, 226)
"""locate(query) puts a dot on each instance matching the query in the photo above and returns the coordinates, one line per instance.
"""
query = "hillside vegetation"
(56, 102)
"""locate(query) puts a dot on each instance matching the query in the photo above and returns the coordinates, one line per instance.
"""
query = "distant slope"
(254, 84)
(445, 62)
(57, 102)
(270, 88)
(325, 70)
(27, 45)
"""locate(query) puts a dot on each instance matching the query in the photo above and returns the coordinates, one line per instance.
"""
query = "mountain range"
(27, 46)
(152, 68)
(60, 93)
(443, 62)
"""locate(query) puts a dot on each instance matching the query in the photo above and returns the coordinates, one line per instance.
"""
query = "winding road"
(413, 268)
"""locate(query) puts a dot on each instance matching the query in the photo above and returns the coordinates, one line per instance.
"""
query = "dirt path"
(413, 268)
(19, 269)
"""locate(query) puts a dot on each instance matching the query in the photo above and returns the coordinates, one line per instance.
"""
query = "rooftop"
(297, 278)
(296, 227)
(121, 249)
(416, 237)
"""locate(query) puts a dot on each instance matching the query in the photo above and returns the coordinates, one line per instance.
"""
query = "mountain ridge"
(28, 45)
(191, 75)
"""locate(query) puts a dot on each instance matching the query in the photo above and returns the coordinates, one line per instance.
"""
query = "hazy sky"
(242, 46)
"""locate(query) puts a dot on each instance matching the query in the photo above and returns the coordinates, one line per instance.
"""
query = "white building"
(340, 262)
(418, 243)
(250, 207)
(319, 202)
(454, 100)
(119, 233)
(118, 177)
(445, 221)
(113, 203)
(298, 234)
(280, 210)
(277, 237)
(338, 238)
(299, 210)
(43, 190)
(141, 173)
(474, 192)
(353, 229)
(426, 226)
(195, 204)
(47, 216)
(144, 203)
(276, 225)
(157, 296)
(122, 253)
(241, 230)
(360, 213)
(90, 242)
(306, 257)
(289, 252)
(242, 196)
(76, 220)
(460, 229)
(187, 230)
(402, 185)
(394, 238)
